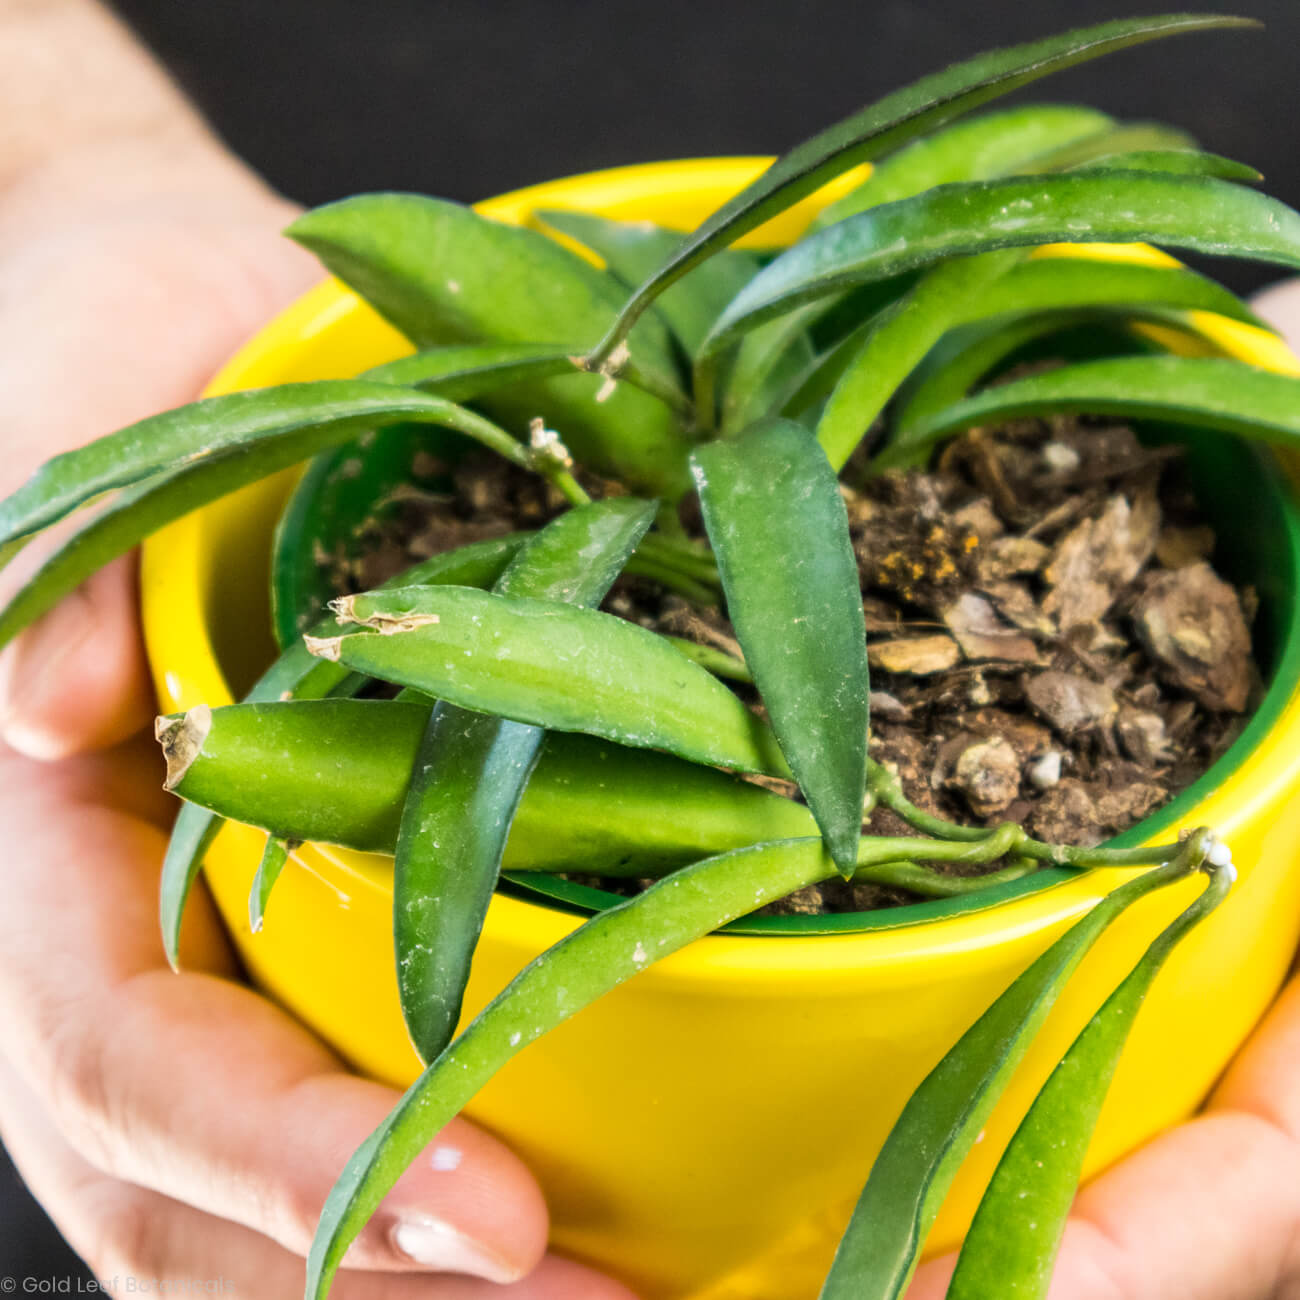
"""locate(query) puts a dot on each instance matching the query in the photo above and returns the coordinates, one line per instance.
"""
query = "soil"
(1050, 642)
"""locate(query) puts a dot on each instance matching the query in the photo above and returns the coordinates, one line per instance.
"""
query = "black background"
(467, 98)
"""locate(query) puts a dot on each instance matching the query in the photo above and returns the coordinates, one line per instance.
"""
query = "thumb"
(1279, 305)
(77, 679)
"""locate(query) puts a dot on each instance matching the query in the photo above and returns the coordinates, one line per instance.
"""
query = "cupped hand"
(175, 1127)
(1211, 1209)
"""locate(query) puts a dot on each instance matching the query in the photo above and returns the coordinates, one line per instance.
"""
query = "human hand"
(181, 1126)
(1211, 1209)
(175, 1127)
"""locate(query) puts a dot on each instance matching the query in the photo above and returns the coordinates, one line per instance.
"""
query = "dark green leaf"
(1012, 1243)
(1202, 214)
(470, 774)
(147, 506)
(1205, 392)
(890, 123)
(777, 522)
(975, 149)
(444, 275)
(183, 440)
(602, 953)
(632, 250)
(945, 1114)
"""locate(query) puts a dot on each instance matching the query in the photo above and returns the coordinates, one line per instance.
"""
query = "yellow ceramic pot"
(705, 1128)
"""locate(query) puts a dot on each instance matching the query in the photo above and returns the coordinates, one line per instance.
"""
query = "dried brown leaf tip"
(382, 621)
(182, 740)
(324, 647)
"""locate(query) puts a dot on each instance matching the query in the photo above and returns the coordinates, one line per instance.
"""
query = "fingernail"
(439, 1246)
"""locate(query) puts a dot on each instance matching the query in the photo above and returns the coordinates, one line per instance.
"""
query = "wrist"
(88, 116)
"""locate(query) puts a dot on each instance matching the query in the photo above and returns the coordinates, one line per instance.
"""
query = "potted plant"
(568, 741)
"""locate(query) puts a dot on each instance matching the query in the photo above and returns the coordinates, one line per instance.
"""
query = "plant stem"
(652, 567)
(921, 880)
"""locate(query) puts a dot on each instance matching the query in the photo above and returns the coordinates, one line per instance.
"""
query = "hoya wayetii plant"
(531, 731)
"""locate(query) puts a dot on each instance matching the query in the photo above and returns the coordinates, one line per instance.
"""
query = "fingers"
(135, 1239)
(1279, 304)
(253, 1121)
(78, 679)
(1207, 1211)
(195, 1087)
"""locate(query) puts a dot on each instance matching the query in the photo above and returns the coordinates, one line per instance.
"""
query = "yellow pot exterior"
(704, 1129)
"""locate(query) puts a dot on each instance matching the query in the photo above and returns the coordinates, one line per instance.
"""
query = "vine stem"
(885, 789)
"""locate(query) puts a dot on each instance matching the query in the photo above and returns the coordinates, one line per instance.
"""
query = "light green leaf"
(553, 666)
(1012, 1243)
(591, 806)
(974, 149)
(1180, 162)
(1207, 393)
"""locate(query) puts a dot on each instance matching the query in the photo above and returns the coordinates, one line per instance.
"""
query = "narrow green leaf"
(192, 834)
(1038, 284)
(1180, 162)
(604, 952)
(890, 123)
(1122, 137)
(601, 954)
(591, 806)
(967, 289)
(554, 666)
(774, 358)
(1198, 213)
(898, 341)
(939, 1124)
(349, 493)
(463, 372)
(633, 250)
(298, 675)
(973, 149)
(147, 506)
(964, 357)
(1011, 1247)
(182, 440)
(444, 275)
(1208, 393)
(274, 856)
(470, 774)
(766, 363)
(774, 514)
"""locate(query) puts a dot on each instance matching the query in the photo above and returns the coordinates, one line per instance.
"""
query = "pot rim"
(1255, 771)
